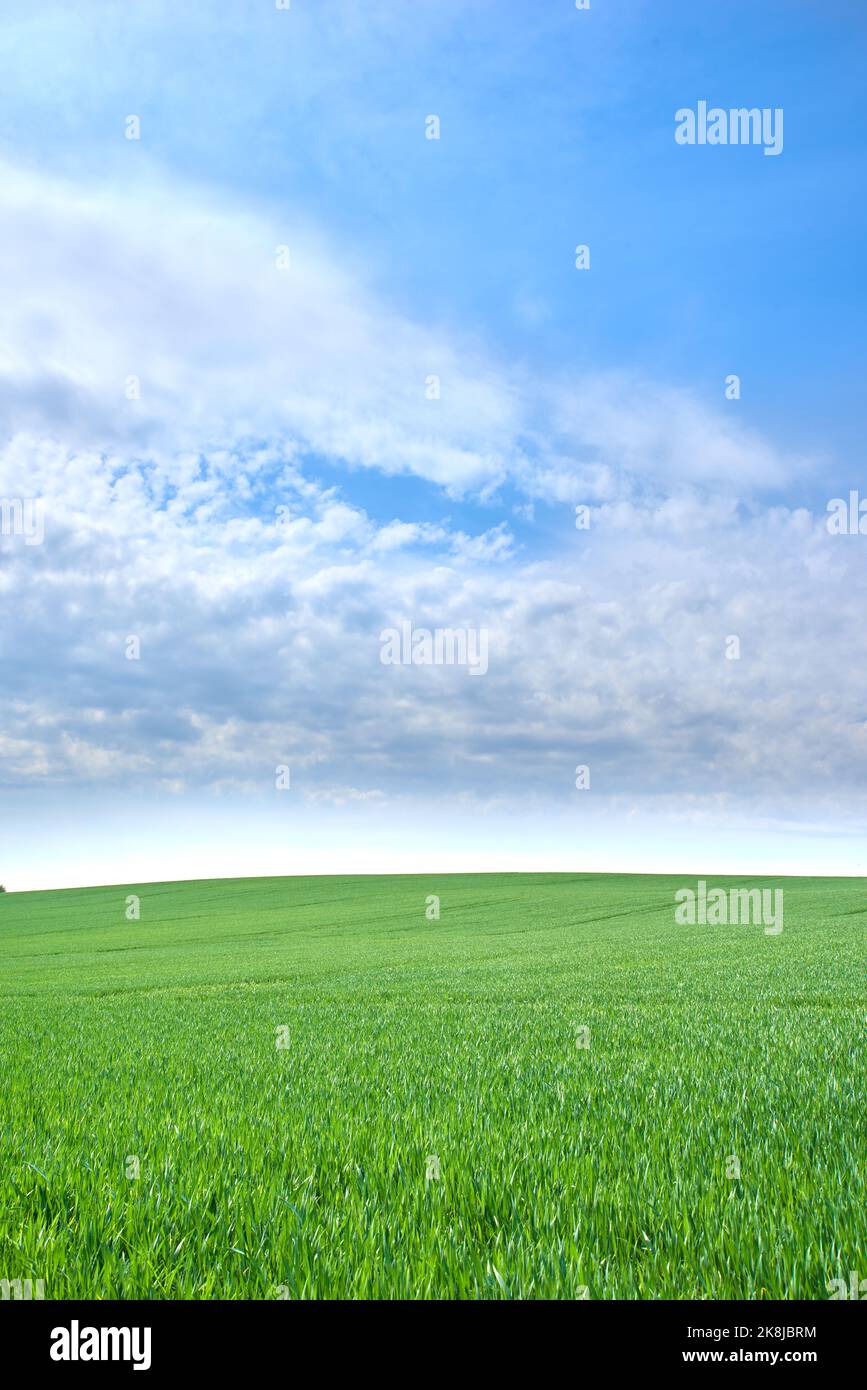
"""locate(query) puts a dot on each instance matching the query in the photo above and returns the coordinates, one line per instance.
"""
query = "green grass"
(305, 1167)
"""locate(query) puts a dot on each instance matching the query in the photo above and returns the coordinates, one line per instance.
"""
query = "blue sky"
(556, 127)
(305, 388)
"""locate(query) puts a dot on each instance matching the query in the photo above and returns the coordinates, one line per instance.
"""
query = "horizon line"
(421, 873)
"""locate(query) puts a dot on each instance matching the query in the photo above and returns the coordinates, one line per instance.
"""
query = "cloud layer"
(175, 399)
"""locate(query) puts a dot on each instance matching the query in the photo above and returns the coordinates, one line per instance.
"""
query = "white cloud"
(260, 631)
(175, 289)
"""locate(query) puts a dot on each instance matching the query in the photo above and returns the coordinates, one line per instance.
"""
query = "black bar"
(240, 1337)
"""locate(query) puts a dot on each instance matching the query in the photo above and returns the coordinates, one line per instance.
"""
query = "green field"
(309, 1170)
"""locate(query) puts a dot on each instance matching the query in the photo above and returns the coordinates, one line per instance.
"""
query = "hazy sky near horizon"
(283, 372)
